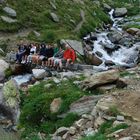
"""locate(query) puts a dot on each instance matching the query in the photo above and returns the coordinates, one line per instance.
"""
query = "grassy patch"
(105, 129)
(35, 107)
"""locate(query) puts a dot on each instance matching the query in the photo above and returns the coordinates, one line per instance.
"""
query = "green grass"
(35, 14)
(126, 73)
(35, 107)
(105, 129)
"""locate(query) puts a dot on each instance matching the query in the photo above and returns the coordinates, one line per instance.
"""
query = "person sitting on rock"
(32, 53)
(42, 53)
(55, 60)
(20, 53)
(49, 54)
(69, 56)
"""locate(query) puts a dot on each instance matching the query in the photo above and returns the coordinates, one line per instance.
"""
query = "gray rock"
(56, 138)
(53, 5)
(3, 66)
(120, 12)
(39, 73)
(55, 105)
(99, 79)
(2, 1)
(120, 118)
(61, 131)
(76, 45)
(84, 105)
(106, 7)
(126, 138)
(72, 130)
(37, 34)
(11, 12)
(89, 132)
(54, 17)
(8, 19)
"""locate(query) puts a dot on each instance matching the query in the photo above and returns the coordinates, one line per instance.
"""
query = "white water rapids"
(120, 56)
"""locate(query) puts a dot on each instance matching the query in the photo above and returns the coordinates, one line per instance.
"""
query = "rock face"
(54, 17)
(84, 105)
(120, 12)
(11, 12)
(100, 79)
(76, 45)
(8, 19)
(11, 100)
(3, 66)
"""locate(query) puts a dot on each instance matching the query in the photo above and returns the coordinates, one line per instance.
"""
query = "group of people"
(46, 55)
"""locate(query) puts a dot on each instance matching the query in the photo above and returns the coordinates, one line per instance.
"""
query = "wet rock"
(120, 12)
(132, 31)
(99, 54)
(55, 105)
(11, 12)
(76, 45)
(84, 105)
(54, 17)
(109, 63)
(93, 59)
(114, 37)
(99, 79)
(39, 73)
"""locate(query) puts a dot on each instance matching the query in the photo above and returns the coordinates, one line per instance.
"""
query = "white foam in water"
(120, 56)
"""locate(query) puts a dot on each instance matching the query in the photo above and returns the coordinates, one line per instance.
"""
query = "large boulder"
(120, 12)
(39, 73)
(114, 37)
(11, 12)
(76, 45)
(8, 19)
(3, 66)
(99, 79)
(11, 100)
(84, 105)
(132, 31)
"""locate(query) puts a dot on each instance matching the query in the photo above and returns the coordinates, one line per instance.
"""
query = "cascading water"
(123, 56)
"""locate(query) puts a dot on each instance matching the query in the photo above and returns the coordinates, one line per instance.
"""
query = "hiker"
(32, 53)
(20, 53)
(49, 53)
(55, 60)
(42, 53)
(69, 56)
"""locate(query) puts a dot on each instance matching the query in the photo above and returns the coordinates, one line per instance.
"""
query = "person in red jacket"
(69, 56)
